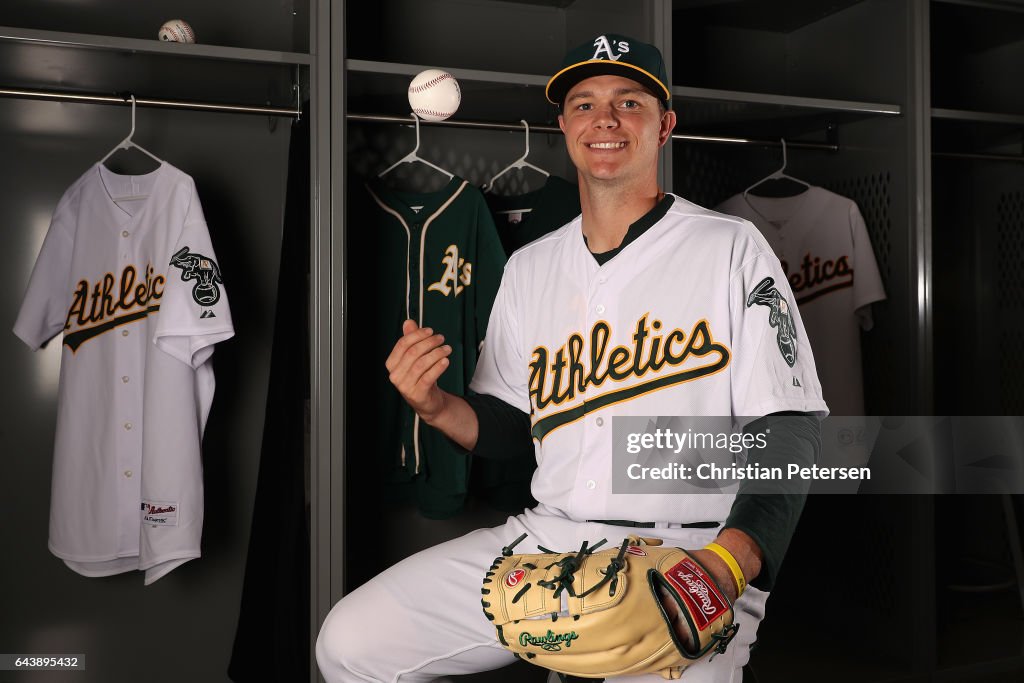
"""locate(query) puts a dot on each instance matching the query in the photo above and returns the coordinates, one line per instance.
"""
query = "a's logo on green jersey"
(456, 271)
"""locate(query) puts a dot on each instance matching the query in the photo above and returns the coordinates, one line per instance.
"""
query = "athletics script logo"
(587, 362)
(98, 307)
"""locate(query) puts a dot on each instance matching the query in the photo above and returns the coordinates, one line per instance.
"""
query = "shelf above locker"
(978, 116)
(396, 69)
(750, 114)
(155, 47)
(490, 95)
(805, 103)
(783, 17)
(684, 93)
(977, 135)
(75, 63)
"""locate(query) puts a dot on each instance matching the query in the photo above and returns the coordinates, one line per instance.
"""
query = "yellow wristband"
(734, 566)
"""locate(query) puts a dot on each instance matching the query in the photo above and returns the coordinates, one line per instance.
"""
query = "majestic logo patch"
(550, 641)
(604, 47)
(204, 270)
(111, 302)
(456, 271)
(765, 294)
(514, 577)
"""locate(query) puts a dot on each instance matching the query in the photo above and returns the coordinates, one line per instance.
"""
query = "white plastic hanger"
(778, 175)
(128, 142)
(413, 156)
(521, 162)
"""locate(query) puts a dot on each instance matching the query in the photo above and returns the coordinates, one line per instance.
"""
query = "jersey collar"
(636, 229)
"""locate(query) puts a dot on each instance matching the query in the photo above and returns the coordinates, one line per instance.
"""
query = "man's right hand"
(415, 364)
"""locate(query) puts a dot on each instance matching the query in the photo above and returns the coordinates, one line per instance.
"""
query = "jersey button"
(124, 333)
(127, 426)
(125, 379)
(125, 233)
(591, 484)
(600, 422)
(128, 473)
(600, 309)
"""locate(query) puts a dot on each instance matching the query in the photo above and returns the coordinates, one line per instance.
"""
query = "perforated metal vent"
(1011, 369)
(1010, 236)
(1010, 295)
(873, 198)
(701, 177)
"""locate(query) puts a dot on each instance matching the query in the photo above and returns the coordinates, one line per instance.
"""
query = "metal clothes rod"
(148, 102)
(487, 125)
(984, 157)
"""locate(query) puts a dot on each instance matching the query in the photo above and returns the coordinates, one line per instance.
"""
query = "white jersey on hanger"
(823, 244)
(128, 274)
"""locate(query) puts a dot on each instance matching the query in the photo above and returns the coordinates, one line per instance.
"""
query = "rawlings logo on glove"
(628, 611)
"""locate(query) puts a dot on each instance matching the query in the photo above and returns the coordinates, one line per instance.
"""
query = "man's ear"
(561, 123)
(668, 124)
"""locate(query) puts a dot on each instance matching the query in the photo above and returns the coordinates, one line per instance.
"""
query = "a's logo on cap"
(604, 46)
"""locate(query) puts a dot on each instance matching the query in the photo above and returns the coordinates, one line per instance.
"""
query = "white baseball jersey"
(128, 273)
(826, 254)
(693, 317)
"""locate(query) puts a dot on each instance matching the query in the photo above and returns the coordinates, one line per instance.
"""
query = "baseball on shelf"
(176, 31)
(434, 95)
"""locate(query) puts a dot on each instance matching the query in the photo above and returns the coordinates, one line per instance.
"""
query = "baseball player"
(135, 288)
(644, 305)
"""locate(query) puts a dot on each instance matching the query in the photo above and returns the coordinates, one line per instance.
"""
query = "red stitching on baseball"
(431, 112)
(430, 84)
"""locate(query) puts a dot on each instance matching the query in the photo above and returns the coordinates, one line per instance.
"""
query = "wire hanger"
(413, 156)
(521, 162)
(129, 143)
(779, 175)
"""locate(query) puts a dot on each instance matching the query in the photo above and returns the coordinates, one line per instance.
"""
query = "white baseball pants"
(422, 619)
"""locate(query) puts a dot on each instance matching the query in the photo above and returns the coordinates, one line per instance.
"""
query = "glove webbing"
(563, 581)
(569, 566)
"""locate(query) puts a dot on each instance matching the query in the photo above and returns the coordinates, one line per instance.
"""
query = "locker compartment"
(839, 50)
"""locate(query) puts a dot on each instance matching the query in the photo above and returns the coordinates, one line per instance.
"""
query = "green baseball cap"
(615, 55)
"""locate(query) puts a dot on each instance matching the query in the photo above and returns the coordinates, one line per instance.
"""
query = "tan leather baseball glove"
(599, 614)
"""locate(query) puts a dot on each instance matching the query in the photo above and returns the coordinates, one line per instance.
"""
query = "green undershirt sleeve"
(768, 510)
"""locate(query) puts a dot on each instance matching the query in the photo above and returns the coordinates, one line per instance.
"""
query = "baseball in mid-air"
(176, 31)
(434, 95)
